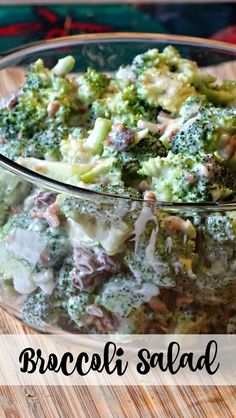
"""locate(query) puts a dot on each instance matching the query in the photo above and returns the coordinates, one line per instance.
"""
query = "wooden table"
(109, 402)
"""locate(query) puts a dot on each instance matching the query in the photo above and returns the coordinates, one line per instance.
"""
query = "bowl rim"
(39, 179)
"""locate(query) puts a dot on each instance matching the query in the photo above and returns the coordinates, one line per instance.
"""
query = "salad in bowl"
(121, 217)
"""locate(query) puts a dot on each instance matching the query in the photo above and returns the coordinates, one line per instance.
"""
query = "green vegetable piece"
(64, 66)
(92, 85)
(68, 173)
(102, 167)
(94, 142)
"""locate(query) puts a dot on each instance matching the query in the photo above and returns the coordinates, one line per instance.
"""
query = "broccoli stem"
(64, 66)
(101, 168)
(94, 142)
(139, 135)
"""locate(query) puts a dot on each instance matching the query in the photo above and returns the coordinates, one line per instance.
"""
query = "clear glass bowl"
(195, 287)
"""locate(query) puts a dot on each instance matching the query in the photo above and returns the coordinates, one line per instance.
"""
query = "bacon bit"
(91, 269)
(150, 199)
(174, 224)
(184, 300)
(163, 117)
(12, 102)
(111, 88)
(37, 214)
(44, 198)
(95, 310)
(150, 196)
(157, 305)
(44, 259)
(152, 127)
(109, 321)
(83, 110)
(2, 141)
(51, 215)
(143, 186)
(16, 210)
(230, 148)
(191, 178)
(53, 108)
(172, 133)
(204, 171)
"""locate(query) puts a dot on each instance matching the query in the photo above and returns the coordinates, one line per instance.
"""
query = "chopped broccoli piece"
(183, 178)
(221, 227)
(220, 95)
(123, 106)
(165, 79)
(34, 242)
(76, 306)
(39, 309)
(121, 294)
(130, 161)
(64, 284)
(162, 88)
(148, 59)
(13, 190)
(92, 85)
(94, 143)
(40, 116)
(207, 130)
(36, 308)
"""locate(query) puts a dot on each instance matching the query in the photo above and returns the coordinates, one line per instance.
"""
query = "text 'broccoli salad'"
(157, 130)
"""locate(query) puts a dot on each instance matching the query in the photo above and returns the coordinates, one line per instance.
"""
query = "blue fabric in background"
(23, 24)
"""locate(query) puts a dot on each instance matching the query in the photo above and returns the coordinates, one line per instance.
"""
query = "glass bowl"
(159, 282)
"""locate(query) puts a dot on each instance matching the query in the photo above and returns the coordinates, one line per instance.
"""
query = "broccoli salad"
(156, 130)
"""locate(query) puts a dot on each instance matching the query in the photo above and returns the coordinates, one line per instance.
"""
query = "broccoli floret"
(165, 79)
(123, 106)
(182, 178)
(72, 299)
(34, 242)
(220, 227)
(93, 216)
(103, 207)
(76, 306)
(64, 284)
(45, 144)
(150, 58)
(13, 190)
(45, 104)
(207, 130)
(92, 85)
(220, 95)
(161, 88)
(130, 160)
(121, 294)
(40, 308)
(118, 189)
(159, 274)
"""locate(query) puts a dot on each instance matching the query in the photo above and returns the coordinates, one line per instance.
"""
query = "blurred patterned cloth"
(23, 24)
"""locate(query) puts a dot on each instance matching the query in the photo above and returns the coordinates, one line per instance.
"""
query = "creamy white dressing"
(26, 244)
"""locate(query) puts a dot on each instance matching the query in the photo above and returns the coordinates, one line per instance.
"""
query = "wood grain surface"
(109, 402)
